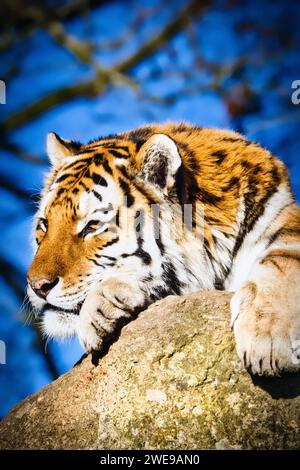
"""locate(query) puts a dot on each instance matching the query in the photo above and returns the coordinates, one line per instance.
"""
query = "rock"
(171, 381)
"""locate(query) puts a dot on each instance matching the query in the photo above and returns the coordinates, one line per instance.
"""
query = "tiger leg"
(266, 310)
(108, 306)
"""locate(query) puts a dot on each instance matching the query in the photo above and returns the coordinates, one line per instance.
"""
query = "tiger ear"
(159, 162)
(58, 148)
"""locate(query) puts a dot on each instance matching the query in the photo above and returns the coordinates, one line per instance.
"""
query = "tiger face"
(95, 221)
(76, 221)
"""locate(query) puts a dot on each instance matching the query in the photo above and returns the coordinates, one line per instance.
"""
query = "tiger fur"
(90, 275)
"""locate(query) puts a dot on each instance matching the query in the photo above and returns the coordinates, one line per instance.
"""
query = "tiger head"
(95, 214)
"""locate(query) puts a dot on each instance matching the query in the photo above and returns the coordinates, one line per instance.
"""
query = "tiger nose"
(42, 287)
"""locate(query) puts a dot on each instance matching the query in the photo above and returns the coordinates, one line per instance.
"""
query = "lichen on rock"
(172, 380)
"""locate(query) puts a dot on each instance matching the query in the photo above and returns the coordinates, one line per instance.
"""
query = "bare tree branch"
(103, 77)
(82, 50)
(21, 22)
(21, 153)
(11, 187)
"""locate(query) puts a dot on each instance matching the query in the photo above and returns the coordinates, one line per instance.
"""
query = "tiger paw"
(98, 320)
(267, 335)
(123, 295)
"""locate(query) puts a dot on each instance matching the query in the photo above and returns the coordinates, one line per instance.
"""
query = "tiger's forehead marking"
(88, 181)
(98, 195)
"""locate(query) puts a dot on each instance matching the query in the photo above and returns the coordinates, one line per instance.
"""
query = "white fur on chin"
(58, 324)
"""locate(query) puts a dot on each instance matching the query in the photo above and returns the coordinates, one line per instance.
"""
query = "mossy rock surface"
(171, 381)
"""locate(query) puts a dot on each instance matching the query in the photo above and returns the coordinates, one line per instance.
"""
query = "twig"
(21, 153)
(82, 50)
(100, 81)
(26, 20)
(9, 186)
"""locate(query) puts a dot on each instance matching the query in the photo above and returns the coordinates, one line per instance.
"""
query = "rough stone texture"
(172, 380)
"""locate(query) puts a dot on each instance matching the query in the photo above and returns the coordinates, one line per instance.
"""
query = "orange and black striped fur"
(112, 236)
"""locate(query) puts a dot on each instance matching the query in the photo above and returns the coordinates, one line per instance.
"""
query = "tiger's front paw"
(124, 295)
(98, 320)
(108, 306)
(267, 335)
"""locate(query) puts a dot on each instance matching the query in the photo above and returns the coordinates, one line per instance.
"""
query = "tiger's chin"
(59, 324)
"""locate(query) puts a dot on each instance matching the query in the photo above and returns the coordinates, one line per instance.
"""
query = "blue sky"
(242, 52)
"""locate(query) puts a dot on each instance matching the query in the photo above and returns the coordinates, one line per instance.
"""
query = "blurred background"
(87, 68)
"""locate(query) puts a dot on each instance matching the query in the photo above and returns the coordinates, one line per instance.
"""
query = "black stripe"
(81, 183)
(233, 182)
(106, 167)
(192, 161)
(117, 218)
(90, 228)
(69, 202)
(98, 329)
(182, 127)
(117, 154)
(219, 155)
(160, 246)
(139, 136)
(139, 253)
(98, 158)
(99, 180)
(246, 164)
(124, 171)
(114, 145)
(96, 262)
(85, 174)
(218, 284)
(60, 191)
(272, 261)
(111, 242)
(169, 276)
(219, 280)
(180, 185)
(146, 193)
(76, 163)
(256, 169)
(208, 252)
(97, 195)
(86, 150)
(127, 193)
(139, 221)
(275, 175)
(271, 238)
(111, 258)
(63, 177)
(283, 232)
(208, 198)
(254, 210)
(102, 313)
(159, 292)
(237, 139)
(284, 255)
(79, 170)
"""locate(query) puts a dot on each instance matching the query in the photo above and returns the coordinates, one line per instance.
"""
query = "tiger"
(104, 250)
